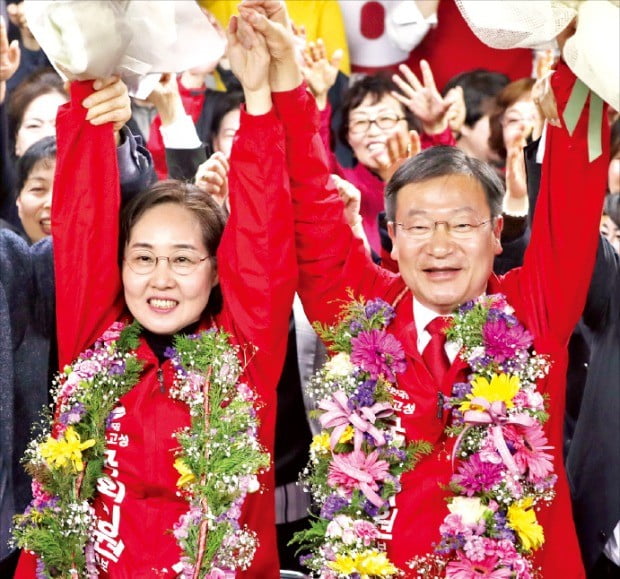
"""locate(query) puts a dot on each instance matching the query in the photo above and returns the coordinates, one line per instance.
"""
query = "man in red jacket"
(438, 192)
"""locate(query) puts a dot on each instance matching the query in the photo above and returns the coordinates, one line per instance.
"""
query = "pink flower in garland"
(378, 353)
(355, 470)
(502, 340)
(477, 476)
(530, 444)
(113, 333)
(465, 568)
(366, 531)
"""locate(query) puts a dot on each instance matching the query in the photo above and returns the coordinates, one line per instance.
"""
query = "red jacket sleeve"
(256, 257)
(84, 227)
(330, 259)
(558, 264)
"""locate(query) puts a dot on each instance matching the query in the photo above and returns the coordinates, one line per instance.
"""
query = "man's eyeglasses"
(458, 228)
(181, 262)
(384, 122)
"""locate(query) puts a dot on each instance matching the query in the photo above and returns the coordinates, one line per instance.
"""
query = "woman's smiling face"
(163, 301)
(369, 146)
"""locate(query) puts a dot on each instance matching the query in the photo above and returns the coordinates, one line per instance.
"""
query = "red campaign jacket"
(548, 294)
(258, 275)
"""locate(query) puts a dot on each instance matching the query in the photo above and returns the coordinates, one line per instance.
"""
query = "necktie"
(434, 354)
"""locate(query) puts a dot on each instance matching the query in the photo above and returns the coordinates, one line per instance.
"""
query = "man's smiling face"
(444, 270)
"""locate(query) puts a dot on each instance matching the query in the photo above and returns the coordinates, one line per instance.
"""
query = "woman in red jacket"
(131, 482)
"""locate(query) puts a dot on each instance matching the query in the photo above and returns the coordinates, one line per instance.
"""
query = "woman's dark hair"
(377, 86)
(211, 116)
(441, 162)
(40, 82)
(480, 87)
(611, 208)
(44, 150)
(509, 95)
(208, 213)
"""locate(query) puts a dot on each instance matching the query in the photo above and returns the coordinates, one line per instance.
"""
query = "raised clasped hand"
(270, 19)
(247, 52)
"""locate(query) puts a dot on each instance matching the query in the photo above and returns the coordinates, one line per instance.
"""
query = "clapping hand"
(319, 71)
(352, 199)
(399, 147)
(9, 58)
(212, 177)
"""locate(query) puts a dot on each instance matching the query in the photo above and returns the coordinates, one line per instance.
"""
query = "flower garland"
(218, 459)
(357, 459)
(504, 469)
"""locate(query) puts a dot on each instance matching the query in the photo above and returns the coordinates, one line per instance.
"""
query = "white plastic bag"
(87, 39)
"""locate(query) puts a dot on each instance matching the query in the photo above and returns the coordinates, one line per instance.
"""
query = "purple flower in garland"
(375, 306)
(116, 368)
(378, 353)
(502, 339)
(170, 352)
(461, 389)
(355, 327)
(73, 415)
(364, 395)
(332, 505)
(370, 509)
(475, 475)
(467, 306)
(502, 530)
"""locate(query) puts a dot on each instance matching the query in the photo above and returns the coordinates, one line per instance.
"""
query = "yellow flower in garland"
(502, 388)
(320, 443)
(374, 564)
(347, 435)
(187, 476)
(367, 564)
(344, 565)
(522, 518)
(58, 453)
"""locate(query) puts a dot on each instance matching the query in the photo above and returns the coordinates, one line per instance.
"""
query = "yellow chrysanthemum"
(343, 564)
(187, 476)
(374, 564)
(522, 518)
(502, 388)
(347, 435)
(320, 443)
(368, 564)
(58, 453)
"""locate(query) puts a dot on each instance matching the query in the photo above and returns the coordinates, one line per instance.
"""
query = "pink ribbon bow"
(493, 413)
(338, 416)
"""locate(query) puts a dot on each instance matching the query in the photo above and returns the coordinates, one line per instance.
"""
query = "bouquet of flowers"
(504, 469)
(357, 459)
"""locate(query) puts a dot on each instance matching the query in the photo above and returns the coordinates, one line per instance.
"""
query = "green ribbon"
(574, 108)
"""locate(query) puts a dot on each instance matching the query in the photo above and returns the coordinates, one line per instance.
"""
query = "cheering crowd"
(341, 301)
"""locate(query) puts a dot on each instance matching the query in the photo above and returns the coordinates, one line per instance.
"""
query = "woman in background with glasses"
(376, 109)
